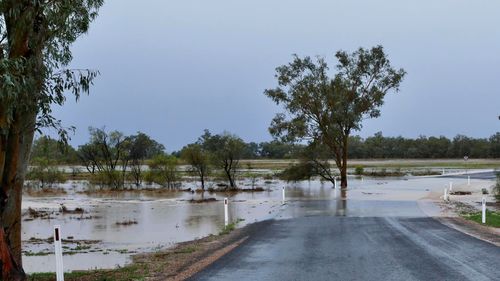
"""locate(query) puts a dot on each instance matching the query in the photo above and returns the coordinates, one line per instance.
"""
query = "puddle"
(161, 220)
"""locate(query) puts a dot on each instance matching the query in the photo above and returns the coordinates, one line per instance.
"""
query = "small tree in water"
(198, 159)
(225, 152)
(325, 110)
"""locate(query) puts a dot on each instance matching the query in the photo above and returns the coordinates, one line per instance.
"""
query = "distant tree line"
(376, 147)
(115, 160)
(381, 147)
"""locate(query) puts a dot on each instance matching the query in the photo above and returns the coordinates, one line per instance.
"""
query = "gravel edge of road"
(486, 233)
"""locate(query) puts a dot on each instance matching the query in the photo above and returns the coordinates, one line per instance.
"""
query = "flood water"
(95, 239)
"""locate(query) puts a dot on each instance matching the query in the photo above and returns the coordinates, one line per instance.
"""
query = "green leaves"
(324, 109)
(317, 105)
(33, 58)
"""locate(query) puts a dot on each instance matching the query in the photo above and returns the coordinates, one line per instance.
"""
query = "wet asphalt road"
(479, 176)
(357, 248)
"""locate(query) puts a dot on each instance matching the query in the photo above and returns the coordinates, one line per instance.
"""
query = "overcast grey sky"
(173, 68)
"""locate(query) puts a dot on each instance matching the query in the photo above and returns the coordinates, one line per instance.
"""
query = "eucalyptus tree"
(139, 148)
(35, 39)
(198, 160)
(326, 110)
(106, 152)
(58, 152)
(226, 151)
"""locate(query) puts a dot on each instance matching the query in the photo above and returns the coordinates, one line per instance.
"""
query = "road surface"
(357, 248)
(491, 175)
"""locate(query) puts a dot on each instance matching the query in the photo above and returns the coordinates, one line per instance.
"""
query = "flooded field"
(104, 230)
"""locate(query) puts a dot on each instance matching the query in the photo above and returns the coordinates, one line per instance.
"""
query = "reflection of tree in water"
(295, 190)
(205, 216)
(341, 206)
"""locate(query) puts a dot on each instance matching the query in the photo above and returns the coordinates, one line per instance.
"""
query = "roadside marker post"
(334, 182)
(451, 186)
(484, 210)
(443, 172)
(283, 198)
(58, 253)
(226, 212)
(445, 196)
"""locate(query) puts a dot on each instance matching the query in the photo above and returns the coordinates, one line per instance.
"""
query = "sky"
(171, 69)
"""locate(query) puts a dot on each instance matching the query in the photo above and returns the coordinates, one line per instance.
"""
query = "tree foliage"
(226, 151)
(325, 109)
(379, 146)
(198, 160)
(139, 148)
(58, 152)
(163, 171)
(113, 155)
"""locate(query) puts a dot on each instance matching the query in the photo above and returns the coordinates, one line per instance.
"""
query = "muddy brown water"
(166, 219)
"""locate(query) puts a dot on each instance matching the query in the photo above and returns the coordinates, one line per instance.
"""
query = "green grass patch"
(186, 250)
(134, 272)
(230, 227)
(492, 218)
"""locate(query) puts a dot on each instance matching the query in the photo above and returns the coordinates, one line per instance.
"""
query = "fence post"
(226, 212)
(483, 210)
(58, 253)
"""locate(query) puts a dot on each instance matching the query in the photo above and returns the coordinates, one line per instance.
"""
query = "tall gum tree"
(325, 110)
(35, 39)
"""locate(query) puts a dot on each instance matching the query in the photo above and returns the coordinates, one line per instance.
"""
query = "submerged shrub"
(113, 179)
(298, 172)
(359, 170)
(44, 174)
(163, 171)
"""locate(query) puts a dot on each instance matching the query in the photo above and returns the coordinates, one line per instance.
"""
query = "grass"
(186, 250)
(42, 253)
(492, 218)
(230, 227)
(130, 272)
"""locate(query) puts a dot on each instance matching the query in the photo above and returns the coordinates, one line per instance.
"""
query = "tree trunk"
(231, 180)
(10, 270)
(343, 169)
(202, 179)
(16, 156)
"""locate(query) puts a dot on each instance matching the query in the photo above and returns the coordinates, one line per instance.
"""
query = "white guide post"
(445, 196)
(226, 212)
(484, 210)
(283, 195)
(443, 172)
(334, 182)
(451, 186)
(58, 253)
